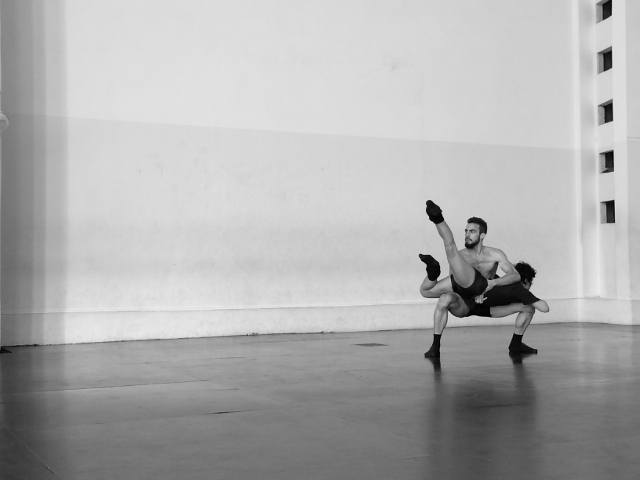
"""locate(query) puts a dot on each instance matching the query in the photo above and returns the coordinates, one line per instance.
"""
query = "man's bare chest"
(480, 262)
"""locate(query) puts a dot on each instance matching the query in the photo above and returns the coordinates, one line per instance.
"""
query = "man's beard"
(471, 243)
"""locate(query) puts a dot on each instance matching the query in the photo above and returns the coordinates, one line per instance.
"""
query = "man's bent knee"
(453, 304)
(447, 300)
(528, 309)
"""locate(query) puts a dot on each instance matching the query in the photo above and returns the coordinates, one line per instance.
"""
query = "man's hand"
(490, 285)
(480, 299)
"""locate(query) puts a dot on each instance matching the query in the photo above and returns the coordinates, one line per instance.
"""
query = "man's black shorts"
(468, 294)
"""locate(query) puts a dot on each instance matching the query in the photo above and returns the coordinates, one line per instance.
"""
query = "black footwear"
(433, 266)
(434, 212)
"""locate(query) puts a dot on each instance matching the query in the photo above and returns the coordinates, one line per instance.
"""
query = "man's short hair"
(526, 271)
(480, 222)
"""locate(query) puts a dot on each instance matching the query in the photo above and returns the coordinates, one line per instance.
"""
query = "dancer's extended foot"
(516, 346)
(433, 266)
(522, 349)
(432, 353)
(434, 212)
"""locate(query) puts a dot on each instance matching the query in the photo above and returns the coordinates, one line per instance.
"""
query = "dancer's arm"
(511, 274)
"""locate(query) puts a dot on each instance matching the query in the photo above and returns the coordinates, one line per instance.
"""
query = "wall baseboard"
(611, 311)
(82, 327)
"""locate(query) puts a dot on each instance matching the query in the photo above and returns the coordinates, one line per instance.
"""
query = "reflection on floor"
(327, 406)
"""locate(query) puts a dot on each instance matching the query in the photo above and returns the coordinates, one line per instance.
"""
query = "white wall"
(198, 168)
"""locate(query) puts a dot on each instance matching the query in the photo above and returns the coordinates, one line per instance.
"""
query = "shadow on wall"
(34, 170)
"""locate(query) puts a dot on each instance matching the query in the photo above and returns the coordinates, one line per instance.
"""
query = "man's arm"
(511, 274)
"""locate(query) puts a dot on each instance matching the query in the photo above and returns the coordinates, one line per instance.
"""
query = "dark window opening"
(604, 10)
(605, 60)
(605, 113)
(608, 212)
(606, 162)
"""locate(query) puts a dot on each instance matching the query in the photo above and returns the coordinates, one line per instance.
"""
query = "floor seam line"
(31, 451)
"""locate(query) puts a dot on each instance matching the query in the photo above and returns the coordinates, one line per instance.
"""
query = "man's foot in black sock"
(434, 212)
(516, 346)
(522, 349)
(433, 266)
(432, 353)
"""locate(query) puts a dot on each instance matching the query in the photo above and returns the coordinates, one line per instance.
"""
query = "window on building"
(608, 212)
(606, 162)
(605, 112)
(605, 60)
(604, 10)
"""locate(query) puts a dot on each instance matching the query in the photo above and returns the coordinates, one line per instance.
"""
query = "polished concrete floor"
(327, 406)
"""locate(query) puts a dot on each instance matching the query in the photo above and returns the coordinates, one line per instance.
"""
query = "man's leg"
(449, 302)
(433, 289)
(523, 320)
(462, 272)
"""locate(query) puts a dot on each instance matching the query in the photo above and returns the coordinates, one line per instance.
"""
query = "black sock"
(434, 351)
(516, 345)
(433, 266)
(434, 212)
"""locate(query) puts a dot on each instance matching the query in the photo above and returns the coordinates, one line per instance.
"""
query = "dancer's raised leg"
(463, 273)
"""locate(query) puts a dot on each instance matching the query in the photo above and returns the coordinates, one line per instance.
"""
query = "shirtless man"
(473, 271)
